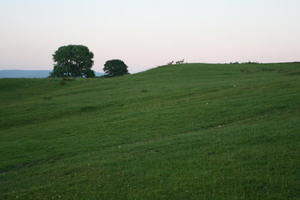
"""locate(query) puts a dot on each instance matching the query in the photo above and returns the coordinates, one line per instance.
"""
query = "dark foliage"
(73, 61)
(115, 68)
(249, 62)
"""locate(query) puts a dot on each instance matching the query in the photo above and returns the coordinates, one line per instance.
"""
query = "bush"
(115, 68)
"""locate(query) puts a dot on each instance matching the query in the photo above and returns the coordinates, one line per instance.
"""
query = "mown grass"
(194, 131)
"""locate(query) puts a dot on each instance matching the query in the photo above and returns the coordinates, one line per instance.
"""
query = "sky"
(149, 33)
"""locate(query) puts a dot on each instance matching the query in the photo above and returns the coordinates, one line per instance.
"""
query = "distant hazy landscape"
(28, 73)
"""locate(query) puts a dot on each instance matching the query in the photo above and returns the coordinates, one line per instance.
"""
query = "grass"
(194, 131)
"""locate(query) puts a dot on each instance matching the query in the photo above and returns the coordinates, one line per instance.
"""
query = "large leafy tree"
(73, 61)
(115, 68)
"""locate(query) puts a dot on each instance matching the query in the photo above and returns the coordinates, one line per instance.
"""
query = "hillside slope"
(194, 131)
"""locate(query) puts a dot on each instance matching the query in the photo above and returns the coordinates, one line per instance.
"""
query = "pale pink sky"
(148, 33)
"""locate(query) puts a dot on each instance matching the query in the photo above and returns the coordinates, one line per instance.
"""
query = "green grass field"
(191, 131)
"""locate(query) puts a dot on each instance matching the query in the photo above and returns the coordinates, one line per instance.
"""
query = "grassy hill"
(194, 131)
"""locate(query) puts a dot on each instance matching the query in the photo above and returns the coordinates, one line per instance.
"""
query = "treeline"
(77, 61)
(249, 62)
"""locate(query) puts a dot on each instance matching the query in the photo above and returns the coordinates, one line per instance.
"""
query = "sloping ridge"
(190, 131)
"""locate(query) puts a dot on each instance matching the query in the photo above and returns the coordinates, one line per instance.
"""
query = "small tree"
(73, 61)
(115, 68)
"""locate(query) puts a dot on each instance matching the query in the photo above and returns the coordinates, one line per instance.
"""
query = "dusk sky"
(148, 33)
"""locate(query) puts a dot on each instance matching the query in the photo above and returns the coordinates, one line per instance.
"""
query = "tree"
(73, 61)
(115, 68)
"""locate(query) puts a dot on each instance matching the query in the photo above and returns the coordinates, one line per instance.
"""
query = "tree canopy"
(115, 68)
(73, 61)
